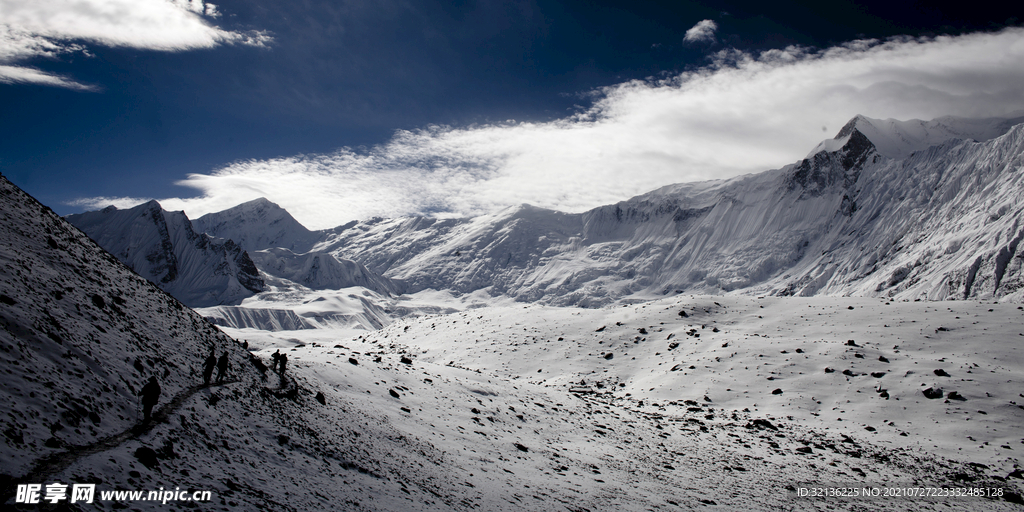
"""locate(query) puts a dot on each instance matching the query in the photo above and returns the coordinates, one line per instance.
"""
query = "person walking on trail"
(222, 367)
(150, 394)
(276, 356)
(208, 367)
(282, 361)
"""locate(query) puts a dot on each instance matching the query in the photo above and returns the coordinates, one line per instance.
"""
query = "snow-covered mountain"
(256, 225)
(878, 210)
(284, 248)
(162, 246)
(902, 209)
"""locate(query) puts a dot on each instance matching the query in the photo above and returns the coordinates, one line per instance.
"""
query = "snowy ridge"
(803, 229)
(162, 246)
(256, 225)
(898, 139)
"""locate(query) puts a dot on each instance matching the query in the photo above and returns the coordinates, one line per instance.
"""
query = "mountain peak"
(256, 225)
(898, 139)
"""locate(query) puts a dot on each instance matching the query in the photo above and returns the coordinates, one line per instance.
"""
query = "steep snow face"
(162, 247)
(318, 270)
(256, 225)
(80, 334)
(719, 236)
(942, 223)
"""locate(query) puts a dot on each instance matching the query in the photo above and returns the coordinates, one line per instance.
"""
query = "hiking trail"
(56, 462)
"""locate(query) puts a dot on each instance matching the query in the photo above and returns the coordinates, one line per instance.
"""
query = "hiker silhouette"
(276, 356)
(150, 394)
(222, 367)
(208, 366)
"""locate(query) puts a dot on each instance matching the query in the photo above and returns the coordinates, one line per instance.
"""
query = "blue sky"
(340, 110)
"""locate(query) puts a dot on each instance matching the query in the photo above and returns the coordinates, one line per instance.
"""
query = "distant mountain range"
(902, 209)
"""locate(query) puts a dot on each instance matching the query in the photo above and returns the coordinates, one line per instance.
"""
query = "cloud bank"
(31, 29)
(742, 113)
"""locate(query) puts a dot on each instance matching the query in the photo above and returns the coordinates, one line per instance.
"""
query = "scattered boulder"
(878, 375)
(953, 395)
(761, 424)
(609, 355)
(777, 391)
(933, 393)
(147, 456)
(394, 393)
(282, 439)
(406, 360)
(883, 359)
(940, 372)
(522, 448)
(321, 398)
(353, 360)
(851, 343)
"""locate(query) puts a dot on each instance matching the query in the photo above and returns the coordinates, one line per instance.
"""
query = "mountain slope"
(318, 271)
(81, 334)
(163, 247)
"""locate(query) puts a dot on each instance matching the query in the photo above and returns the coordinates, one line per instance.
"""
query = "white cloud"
(704, 30)
(96, 203)
(741, 114)
(33, 29)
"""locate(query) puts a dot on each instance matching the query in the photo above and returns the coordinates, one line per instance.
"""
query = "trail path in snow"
(59, 461)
